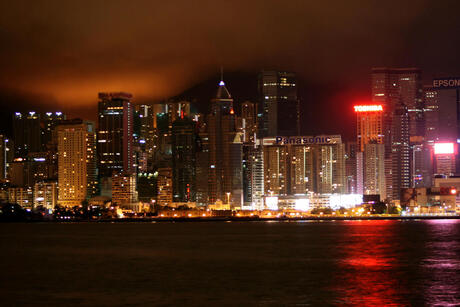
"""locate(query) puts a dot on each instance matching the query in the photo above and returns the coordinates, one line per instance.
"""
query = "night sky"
(60, 54)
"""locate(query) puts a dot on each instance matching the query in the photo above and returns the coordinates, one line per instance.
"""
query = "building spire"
(222, 83)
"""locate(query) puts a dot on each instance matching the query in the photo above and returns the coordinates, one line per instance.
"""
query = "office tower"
(115, 134)
(253, 175)
(202, 164)
(77, 162)
(374, 169)
(26, 133)
(303, 164)
(49, 121)
(421, 163)
(144, 132)
(432, 115)
(164, 185)
(147, 187)
(400, 151)
(446, 92)
(278, 108)
(3, 157)
(22, 196)
(225, 153)
(393, 88)
(124, 190)
(46, 194)
(351, 167)
(371, 157)
(184, 160)
(249, 121)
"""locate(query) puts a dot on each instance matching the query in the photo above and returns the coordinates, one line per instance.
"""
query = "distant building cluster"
(246, 155)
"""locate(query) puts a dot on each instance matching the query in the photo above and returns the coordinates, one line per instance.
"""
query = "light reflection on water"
(353, 263)
(442, 263)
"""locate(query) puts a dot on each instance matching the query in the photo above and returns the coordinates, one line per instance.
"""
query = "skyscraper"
(115, 134)
(49, 121)
(397, 89)
(26, 133)
(371, 150)
(225, 153)
(77, 162)
(184, 160)
(278, 104)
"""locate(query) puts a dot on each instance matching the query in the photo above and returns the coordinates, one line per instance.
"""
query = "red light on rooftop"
(453, 191)
(368, 108)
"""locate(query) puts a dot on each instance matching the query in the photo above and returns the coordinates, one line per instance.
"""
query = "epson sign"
(446, 83)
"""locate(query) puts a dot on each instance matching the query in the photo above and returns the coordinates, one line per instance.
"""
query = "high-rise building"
(77, 179)
(124, 190)
(164, 185)
(279, 105)
(3, 157)
(371, 157)
(351, 149)
(225, 150)
(46, 194)
(115, 134)
(249, 121)
(374, 169)
(184, 160)
(400, 172)
(26, 133)
(397, 89)
(253, 175)
(49, 121)
(303, 164)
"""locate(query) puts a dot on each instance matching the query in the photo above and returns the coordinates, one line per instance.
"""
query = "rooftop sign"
(303, 140)
(447, 83)
(368, 108)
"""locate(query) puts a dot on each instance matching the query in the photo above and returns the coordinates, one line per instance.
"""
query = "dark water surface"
(353, 263)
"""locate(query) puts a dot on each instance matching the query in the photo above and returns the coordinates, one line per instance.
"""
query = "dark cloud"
(69, 51)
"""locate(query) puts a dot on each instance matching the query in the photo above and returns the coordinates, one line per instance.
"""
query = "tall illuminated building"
(77, 180)
(184, 159)
(396, 89)
(3, 157)
(225, 150)
(401, 162)
(124, 189)
(370, 158)
(278, 104)
(115, 134)
(304, 164)
(26, 133)
(49, 121)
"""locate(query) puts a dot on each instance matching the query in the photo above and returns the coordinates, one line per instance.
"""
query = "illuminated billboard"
(444, 149)
(369, 108)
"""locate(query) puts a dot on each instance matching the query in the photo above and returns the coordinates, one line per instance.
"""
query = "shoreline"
(240, 219)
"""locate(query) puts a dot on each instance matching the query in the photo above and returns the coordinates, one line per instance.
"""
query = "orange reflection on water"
(366, 273)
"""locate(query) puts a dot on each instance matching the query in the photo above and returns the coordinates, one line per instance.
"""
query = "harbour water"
(353, 263)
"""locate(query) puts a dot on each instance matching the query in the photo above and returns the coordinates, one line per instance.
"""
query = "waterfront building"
(164, 186)
(370, 165)
(279, 105)
(77, 180)
(184, 159)
(115, 134)
(124, 189)
(400, 92)
(46, 194)
(23, 196)
(225, 151)
(304, 164)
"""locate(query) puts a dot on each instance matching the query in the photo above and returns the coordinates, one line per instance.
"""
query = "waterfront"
(365, 263)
